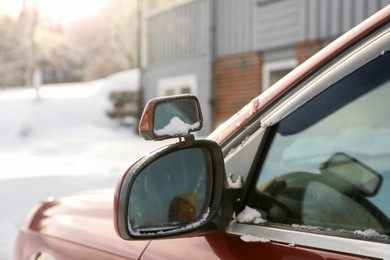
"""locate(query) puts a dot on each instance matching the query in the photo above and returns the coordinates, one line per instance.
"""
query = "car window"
(329, 162)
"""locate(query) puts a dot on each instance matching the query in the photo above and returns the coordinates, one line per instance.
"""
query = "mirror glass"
(176, 117)
(354, 172)
(171, 192)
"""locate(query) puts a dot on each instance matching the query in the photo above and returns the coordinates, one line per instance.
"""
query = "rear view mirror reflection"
(171, 116)
(354, 172)
(178, 117)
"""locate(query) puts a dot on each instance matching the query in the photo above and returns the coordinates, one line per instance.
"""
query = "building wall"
(175, 33)
(227, 44)
(273, 32)
(306, 49)
(328, 19)
(237, 80)
(178, 44)
(277, 24)
(233, 26)
(251, 25)
(193, 66)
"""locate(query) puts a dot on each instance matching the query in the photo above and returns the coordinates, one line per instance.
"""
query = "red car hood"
(85, 219)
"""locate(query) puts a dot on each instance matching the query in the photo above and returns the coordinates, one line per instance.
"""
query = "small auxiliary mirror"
(169, 117)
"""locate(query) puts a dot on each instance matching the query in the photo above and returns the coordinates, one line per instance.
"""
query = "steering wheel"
(282, 200)
(276, 209)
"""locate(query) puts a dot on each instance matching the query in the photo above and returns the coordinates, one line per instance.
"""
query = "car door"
(316, 164)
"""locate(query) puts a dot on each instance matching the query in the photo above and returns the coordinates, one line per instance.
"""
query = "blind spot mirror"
(173, 116)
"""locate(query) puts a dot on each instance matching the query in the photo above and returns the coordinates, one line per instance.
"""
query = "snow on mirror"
(176, 118)
(171, 192)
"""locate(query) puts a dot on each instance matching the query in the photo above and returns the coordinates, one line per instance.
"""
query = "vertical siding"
(334, 18)
(331, 18)
(173, 33)
(178, 43)
(360, 11)
(310, 14)
(234, 26)
(384, 3)
(243, 25)
(277, 23)
(347, 15)
(291, 21)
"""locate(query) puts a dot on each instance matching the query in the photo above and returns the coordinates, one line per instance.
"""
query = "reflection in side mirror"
(354, 172)
(171, 192)
(176, 118)
(174, 191)
(172, 116)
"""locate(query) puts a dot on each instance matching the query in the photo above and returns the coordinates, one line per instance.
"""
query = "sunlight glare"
(66, 11)
(11, 8)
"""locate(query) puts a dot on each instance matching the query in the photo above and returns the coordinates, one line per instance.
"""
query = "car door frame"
(350, 60)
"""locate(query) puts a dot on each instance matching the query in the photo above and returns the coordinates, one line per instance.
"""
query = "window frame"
(176, 84)
(276, 65)
(352, 59)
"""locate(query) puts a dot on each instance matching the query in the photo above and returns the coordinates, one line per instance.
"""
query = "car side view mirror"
(169, 117)
(173, 191)
(354, 172)
(176, 190)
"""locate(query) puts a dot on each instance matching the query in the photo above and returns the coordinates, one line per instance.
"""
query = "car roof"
(265, 99)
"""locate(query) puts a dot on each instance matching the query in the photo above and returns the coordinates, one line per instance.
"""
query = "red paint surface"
(82, 223)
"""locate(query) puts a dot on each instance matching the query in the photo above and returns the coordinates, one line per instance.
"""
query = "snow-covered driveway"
(60, 144)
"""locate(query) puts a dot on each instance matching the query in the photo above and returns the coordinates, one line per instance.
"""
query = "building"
(228, 51)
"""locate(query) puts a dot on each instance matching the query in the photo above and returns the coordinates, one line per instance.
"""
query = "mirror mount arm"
(187, 140)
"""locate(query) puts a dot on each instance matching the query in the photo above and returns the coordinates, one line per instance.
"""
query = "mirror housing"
(171, 116)
(172, 192)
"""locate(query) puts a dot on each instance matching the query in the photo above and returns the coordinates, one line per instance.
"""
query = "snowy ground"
(58, 144)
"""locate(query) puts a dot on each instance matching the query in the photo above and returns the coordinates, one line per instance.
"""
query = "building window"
(275, 70)
(177, 85)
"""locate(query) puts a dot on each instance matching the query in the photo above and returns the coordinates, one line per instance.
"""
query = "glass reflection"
(172, 191)
(183, 109)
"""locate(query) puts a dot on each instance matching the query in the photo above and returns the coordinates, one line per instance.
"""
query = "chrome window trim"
(332, 243)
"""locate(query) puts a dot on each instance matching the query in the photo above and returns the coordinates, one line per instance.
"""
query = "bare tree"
(110, 37)
(89, 49)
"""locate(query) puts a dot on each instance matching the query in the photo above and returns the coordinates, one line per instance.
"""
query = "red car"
(301, 172)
